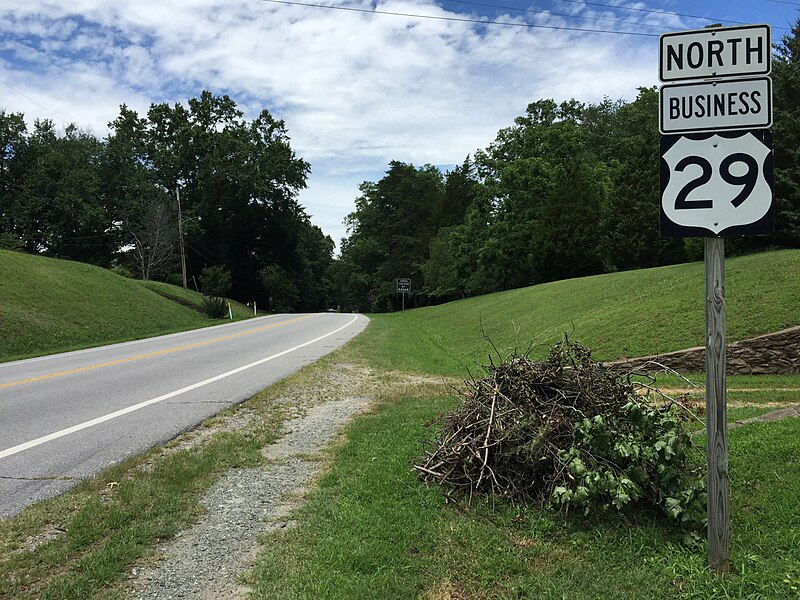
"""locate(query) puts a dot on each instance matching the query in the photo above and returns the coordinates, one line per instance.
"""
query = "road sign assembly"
(403, 285)
(716, 182)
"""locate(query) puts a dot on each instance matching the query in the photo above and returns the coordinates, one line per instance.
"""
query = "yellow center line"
(121, 361)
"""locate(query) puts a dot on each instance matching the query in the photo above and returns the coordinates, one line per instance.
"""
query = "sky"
(356, 87)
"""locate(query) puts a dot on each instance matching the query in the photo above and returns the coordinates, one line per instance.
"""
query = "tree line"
(113, 202)
(568, 190)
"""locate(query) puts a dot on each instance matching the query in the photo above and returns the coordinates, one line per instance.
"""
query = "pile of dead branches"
(563, 431)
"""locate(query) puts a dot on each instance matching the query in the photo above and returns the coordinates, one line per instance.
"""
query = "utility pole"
(180, 236)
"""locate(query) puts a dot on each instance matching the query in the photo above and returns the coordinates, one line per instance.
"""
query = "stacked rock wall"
(771, 354)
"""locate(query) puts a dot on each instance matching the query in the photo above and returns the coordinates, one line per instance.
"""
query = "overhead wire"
(652, 11)
(613, 7)
(512, 24)
(457, 19)
(548, 12)
(28, 98)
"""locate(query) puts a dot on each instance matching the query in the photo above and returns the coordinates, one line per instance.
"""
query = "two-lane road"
(65, 417)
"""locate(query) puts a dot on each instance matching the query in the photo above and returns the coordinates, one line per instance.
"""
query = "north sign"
(716, 105)
(716, 52)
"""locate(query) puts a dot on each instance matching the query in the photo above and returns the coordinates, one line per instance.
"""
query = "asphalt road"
(67, 416)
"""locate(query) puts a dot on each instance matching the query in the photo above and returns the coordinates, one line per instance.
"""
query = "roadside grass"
(371, 530)
(49, 305)
(747, 396)
(627, 314)
(79, 544)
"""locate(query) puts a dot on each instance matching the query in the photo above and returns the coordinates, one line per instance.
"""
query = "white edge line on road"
(124, 411)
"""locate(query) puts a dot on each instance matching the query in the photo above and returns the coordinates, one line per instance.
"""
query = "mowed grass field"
(371, 529)
(49, 305)
(628, 314)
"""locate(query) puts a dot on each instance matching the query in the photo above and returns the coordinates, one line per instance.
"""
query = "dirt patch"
(775, 415)
(50, 532)
(181, 301)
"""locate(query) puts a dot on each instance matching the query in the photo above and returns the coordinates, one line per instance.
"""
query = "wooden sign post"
(716, 405)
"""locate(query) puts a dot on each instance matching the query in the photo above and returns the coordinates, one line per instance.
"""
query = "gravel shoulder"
(207, 560)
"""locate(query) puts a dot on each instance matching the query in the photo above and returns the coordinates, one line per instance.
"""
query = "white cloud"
(355, 90)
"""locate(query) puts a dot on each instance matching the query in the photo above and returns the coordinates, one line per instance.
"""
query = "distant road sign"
(403, 285)
(717, 184)
(716, 52)
(716, 105)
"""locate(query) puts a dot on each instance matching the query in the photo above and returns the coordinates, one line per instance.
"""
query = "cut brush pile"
(569, 433)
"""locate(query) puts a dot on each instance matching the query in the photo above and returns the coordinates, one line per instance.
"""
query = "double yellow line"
(121, 361)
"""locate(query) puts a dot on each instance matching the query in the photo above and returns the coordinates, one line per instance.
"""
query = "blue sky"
(355, 88)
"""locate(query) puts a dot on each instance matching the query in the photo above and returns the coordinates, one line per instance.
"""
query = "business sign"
(716, 184)
(715, 52)
(403, 285)
(716, 105)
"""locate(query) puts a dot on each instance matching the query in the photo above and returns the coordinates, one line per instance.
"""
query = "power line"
(653, 11)
(612, 6)
(545, 11)
(44, 108)
(670, 13)
(458, 19)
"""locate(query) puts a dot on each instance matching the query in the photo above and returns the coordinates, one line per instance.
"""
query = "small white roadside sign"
(716, 105)
(717, 52)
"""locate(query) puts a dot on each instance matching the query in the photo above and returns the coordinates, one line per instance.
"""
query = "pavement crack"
(199, 402)
(49, 478)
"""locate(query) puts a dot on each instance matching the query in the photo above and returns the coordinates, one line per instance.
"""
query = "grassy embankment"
(49, 305)
(371, 530)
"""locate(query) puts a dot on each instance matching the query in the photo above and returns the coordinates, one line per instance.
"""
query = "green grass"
(371, 530)
(115, 519)
(193, 299)
(49, 305)
(634, 313)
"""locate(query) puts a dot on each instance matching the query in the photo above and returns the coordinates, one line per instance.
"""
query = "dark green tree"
(631, 219)
(13, 136)
(786, 131)
(389, 235)
(238, 182)
(548, 191)
(59, 209)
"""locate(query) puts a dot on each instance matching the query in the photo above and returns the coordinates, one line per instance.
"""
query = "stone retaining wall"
(771, 354)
